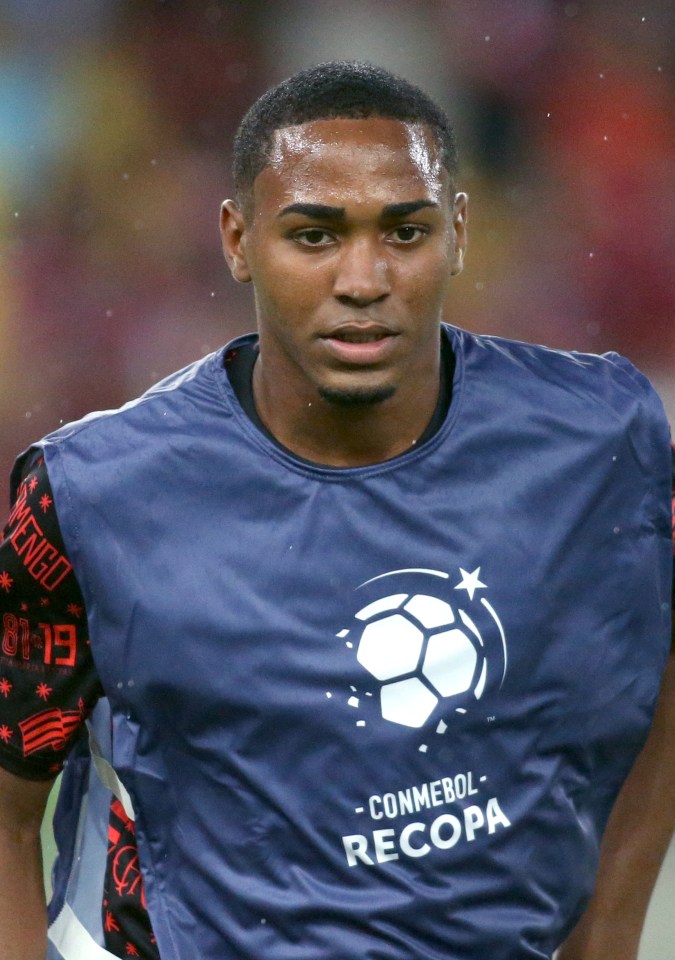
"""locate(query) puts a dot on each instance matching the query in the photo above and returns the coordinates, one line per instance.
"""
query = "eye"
(313, 237)
(407, 234)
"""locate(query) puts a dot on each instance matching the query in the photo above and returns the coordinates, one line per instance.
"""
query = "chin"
(356, 396)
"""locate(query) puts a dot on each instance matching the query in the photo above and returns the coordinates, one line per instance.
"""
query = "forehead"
(345, 161)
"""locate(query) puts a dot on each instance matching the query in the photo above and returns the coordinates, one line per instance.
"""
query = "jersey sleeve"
(48, 681)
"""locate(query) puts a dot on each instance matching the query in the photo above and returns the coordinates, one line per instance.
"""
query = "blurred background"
(116, 119)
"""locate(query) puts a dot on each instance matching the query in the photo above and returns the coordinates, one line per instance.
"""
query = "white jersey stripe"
(108, 776)
(73, 940)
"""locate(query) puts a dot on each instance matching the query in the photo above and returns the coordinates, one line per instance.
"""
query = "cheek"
(427, 285)
(282, 298)
(294, 288)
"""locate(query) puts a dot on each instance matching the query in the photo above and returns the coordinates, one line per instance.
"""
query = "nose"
(362, 275)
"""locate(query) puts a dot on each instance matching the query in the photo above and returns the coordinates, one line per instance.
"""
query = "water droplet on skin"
(487, 38)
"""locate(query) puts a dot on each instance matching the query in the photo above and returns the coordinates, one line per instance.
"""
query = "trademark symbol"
(490, 719)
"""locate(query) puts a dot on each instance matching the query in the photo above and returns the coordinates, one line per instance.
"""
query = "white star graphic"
(470, 582)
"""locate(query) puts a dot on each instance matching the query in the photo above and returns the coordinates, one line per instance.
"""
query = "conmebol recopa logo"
(433, 643)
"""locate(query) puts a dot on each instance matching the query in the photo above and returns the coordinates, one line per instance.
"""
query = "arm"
(638, 834)
(23, 915)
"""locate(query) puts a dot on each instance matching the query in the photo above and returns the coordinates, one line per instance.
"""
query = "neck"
(344, 436)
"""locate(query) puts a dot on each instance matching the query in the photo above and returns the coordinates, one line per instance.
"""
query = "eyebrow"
(395, 210)
(321, 211)
(316, 211)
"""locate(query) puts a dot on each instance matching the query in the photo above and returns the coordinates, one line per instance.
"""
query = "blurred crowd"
(116, 120)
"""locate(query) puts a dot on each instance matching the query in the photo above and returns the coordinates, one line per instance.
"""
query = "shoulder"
(89, 458)
(608, 381)
(538, 360)
(590, 400)
(186, 406)
(167, 397)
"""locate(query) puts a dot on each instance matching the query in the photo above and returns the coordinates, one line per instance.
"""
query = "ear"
(232, 232)
(459, 216)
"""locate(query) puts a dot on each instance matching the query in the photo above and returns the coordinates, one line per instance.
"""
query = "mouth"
(353, 334)
(360, 344)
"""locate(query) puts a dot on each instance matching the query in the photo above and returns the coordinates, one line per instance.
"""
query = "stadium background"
(116, 118)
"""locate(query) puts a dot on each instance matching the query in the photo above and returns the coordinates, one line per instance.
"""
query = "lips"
(360, 344)
(358, 335)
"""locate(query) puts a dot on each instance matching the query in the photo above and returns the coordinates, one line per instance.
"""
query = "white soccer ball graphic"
(420, 652)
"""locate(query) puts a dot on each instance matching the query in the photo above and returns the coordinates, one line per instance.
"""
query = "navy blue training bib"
(378, 712)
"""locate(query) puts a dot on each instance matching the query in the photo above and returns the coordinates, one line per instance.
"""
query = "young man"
(371, 612)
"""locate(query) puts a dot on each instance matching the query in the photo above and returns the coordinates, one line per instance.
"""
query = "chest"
(261, 604)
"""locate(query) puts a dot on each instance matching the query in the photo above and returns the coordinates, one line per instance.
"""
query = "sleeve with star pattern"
(48, 682)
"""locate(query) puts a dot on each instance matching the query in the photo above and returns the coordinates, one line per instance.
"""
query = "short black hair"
(339, 89)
